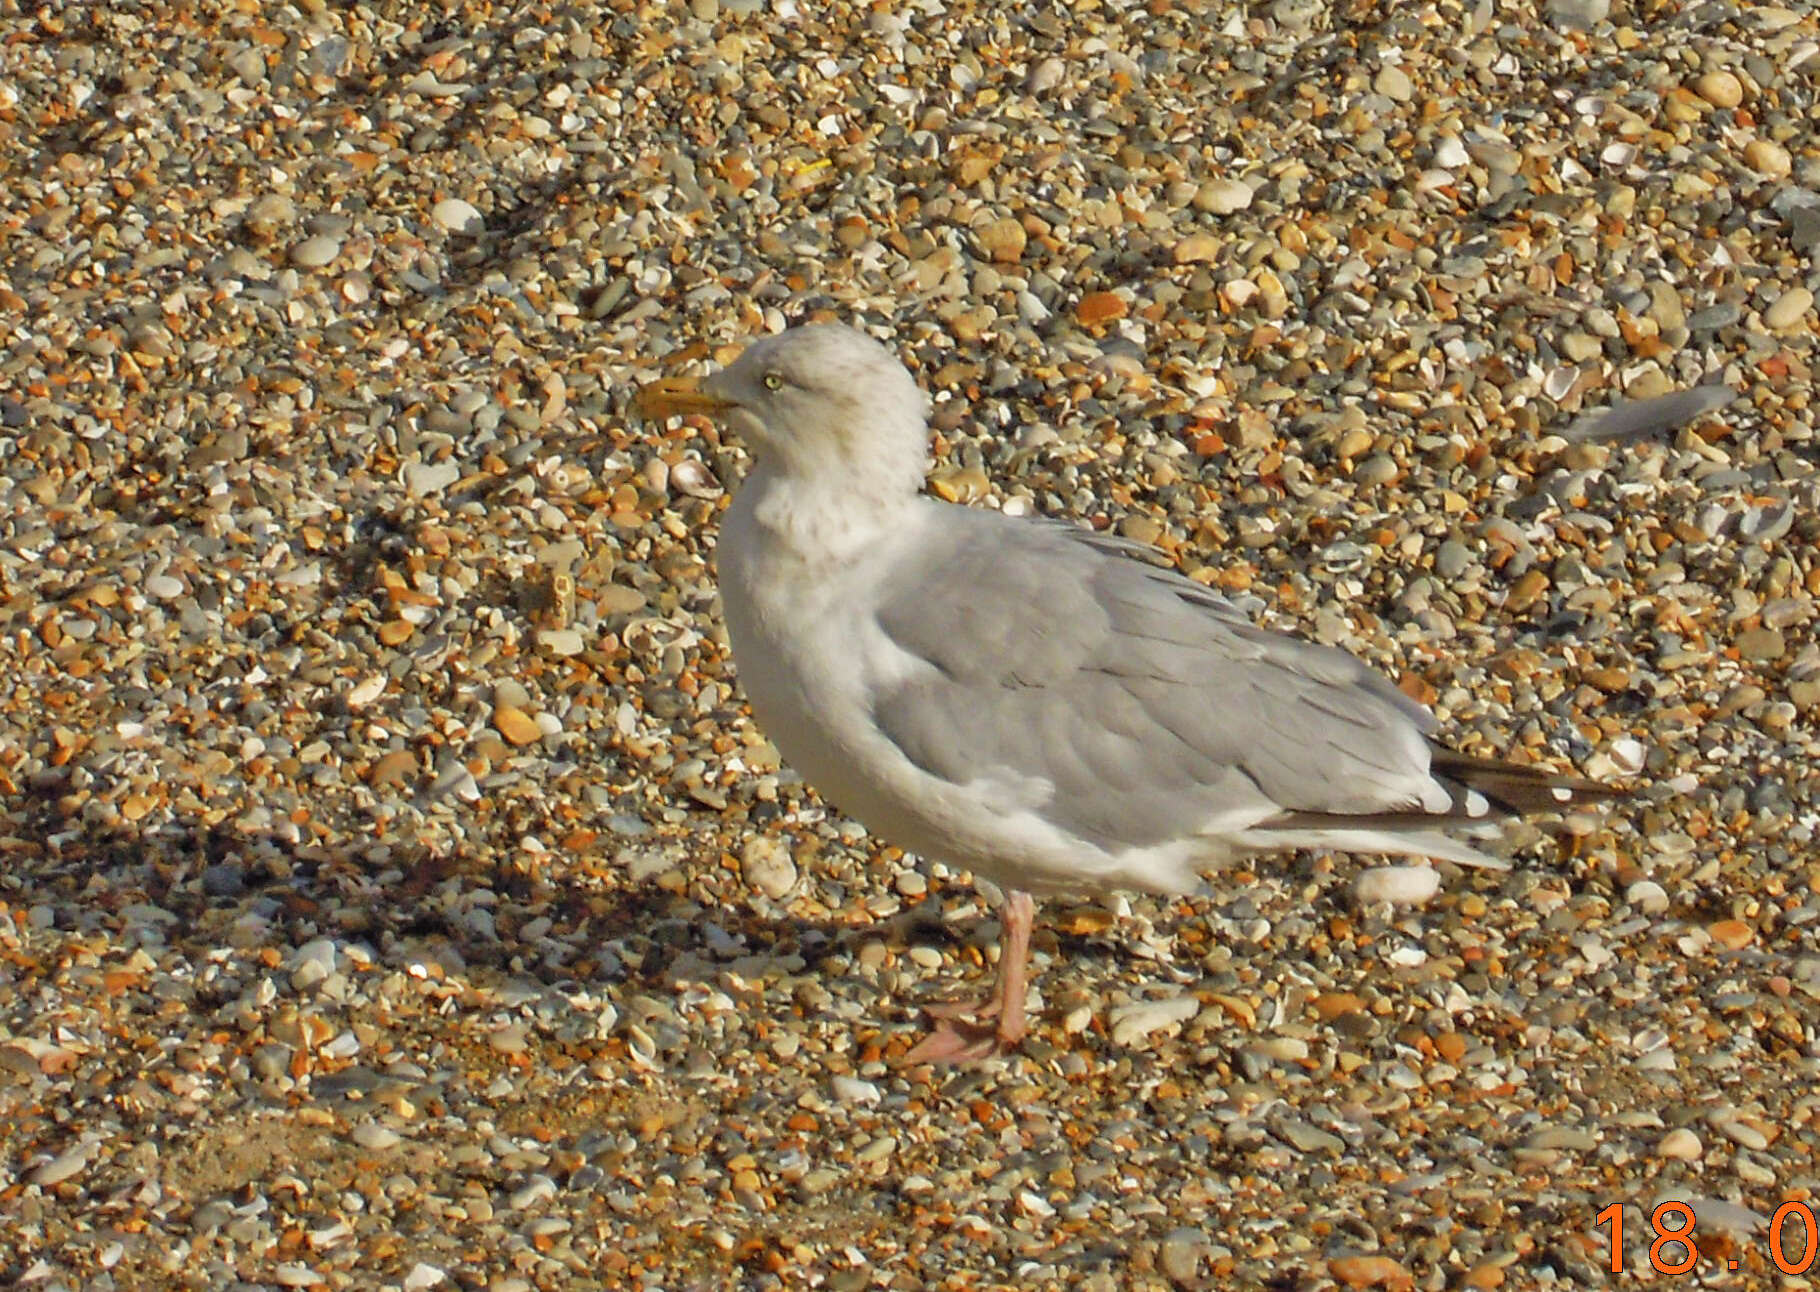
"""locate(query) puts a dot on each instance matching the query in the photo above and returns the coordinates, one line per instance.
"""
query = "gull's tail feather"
(1481, 792)
(1370, 834)
(1516, 788)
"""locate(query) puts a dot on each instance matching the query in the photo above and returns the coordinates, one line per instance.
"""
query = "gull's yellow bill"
(675, 396)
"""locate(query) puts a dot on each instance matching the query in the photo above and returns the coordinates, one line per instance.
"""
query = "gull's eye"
(773, 381)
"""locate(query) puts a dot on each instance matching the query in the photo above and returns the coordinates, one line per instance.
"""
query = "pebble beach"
(394, 890)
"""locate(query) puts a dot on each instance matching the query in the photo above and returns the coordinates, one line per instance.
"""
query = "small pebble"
(1722, 89)
(517, 726)
(371, 1135)
(1223, 196)
(1196, 247)
(1398, 885)
(1003, 240)
(541, 1188)
(1648, 896)
(65, 1166)
(1180, 1257)
(1742, 1133)
(1578, 15)
(1790, 308)
(766, 863)
(510, 1039)
(315, 252)
(1768, 158)
(1370, 1272)
(1394, 83)
(426, 479)
(1734, 935)
(1718, 1213)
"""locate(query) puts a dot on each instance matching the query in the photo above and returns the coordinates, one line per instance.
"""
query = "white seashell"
(853, 1090)
(1619, 154)
(691, 476)
(367, 691)
(1450, 153)
(1034, 1204)
(1628, 755)
(458, 216)
(1647, 896)
(1132, 1023)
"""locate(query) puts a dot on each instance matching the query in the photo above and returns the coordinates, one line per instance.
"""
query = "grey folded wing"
(1149, 704)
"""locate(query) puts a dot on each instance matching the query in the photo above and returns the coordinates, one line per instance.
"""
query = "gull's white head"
(825, 404)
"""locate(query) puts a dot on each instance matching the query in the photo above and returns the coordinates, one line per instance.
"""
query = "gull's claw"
(959, 1042)
(965, 1030)
(984, 1007)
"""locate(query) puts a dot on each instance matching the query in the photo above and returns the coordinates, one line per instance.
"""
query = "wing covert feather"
(1146, 702)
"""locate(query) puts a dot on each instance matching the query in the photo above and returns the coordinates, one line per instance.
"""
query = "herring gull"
(1020, 697)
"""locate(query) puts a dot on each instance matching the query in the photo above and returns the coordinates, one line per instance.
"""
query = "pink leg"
(963, 1032)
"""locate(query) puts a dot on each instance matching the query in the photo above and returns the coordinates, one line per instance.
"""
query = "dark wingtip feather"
(1516, 788)
(1483, 792)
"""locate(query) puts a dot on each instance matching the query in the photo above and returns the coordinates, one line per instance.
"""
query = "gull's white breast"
(812, 657)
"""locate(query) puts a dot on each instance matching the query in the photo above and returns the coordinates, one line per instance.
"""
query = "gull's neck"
(825, 519)
(823, 494)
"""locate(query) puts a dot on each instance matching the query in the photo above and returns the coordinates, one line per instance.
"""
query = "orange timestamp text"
(1675, 1250)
